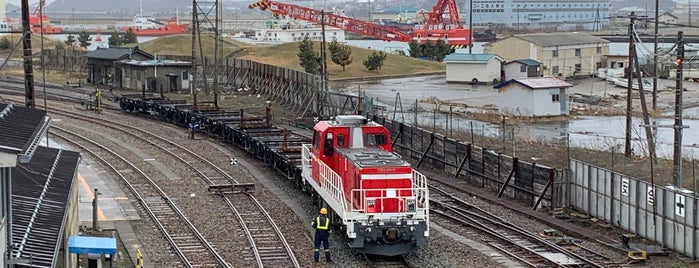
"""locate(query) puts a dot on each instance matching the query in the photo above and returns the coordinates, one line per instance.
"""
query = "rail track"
(53, 92)
(269, 248)
(518, 243)
(386, 262)
(185, 240)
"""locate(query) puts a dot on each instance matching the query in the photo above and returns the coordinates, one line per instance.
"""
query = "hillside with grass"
(285, 55)
(181, 44)
(14, 40)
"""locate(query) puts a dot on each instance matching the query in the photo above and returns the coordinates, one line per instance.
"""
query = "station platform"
(115, 210)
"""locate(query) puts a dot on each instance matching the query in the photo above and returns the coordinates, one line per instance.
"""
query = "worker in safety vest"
(322, 226)
(98, 100)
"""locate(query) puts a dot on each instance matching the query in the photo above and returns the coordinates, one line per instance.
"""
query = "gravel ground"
(442, 252)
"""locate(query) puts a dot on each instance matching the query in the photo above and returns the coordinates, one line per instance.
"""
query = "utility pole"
(323, 62)
(193, 73)
(323, 53)
(629, 87)
(677, 144)
(655, 59)
(217, 29)
(27, 45)
(470, 26)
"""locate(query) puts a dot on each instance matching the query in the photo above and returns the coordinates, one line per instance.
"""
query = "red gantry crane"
(435, 27)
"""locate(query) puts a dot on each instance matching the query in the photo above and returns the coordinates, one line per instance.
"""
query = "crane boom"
(435, 27)
(39, 8)
(436, 17)
(348, 24)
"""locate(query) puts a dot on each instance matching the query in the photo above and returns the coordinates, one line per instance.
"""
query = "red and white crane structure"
(435, 27)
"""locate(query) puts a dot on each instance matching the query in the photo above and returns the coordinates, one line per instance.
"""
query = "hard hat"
(323, 211)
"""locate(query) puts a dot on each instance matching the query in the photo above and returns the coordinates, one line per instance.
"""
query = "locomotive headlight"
(410, 205)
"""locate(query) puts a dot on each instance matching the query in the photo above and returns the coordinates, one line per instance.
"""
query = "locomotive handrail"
(330, 181)
(417, 193)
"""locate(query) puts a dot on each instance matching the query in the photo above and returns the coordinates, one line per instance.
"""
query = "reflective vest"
(322, 227)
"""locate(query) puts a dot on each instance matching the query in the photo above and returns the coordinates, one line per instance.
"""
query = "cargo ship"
(146, 25)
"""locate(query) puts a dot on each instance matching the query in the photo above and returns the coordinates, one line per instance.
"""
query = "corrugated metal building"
(561, 54)
(534, 14)
(473, 68)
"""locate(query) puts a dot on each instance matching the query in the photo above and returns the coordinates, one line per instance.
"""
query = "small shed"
(153, 75)
(539, 96)
(473, 68)
(522, 68)
(616, 61)
(100, 62)
(667, 18)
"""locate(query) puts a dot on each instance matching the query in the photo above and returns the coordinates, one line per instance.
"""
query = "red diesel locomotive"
(376, 198)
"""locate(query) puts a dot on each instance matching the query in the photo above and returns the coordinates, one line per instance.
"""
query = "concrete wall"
(134, 77)
(513, 70)
(513, 48)
(661, 214)
(516, 99)
(510, 48)
(543, 104)
(465, 72)
(519, 100)
(567, 60)
(71, 224)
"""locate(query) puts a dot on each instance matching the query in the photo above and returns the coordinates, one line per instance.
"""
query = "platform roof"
(41, 190)
(21, 129)
(536, 83)
(91, 245)
(116, 53)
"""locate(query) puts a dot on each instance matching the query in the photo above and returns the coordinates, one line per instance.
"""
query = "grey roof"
(669, 14)
(536, 83)
(560, 39)
(528, 62)
(115, 53)
(46, 180)
(21, 128)
(150, 63)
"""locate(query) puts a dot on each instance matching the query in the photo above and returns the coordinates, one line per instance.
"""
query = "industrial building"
(536, 14)
(562, 55)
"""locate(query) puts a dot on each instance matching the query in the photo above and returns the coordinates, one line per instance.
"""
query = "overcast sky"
(31, 2)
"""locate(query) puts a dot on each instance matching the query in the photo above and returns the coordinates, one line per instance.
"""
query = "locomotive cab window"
(328, 146)
(374, 139)
(316, 139)
(341, 140)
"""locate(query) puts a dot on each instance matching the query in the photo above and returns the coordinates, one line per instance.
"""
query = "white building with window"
(560, 54)
(536, 96)
(535, 14)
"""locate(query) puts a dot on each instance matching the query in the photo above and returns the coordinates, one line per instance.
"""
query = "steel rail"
(494, 220)
(150, 211)
(275, 227)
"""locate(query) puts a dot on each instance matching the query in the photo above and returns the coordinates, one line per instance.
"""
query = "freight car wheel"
(474, 81)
